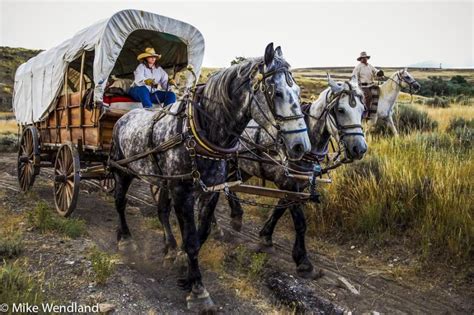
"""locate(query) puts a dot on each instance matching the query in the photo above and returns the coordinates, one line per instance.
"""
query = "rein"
(330, 114)
(268, 91)
(400, 80)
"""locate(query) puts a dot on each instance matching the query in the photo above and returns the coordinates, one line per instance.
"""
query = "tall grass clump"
(102, 264)
(19, 286)
(419, 186)
(437, 101)
(463, 131)
(43, 219)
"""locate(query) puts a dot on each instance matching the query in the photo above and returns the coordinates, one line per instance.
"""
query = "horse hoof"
(236, 224)
(127, 245)
(309, 274)
(200, 301)
(265, 245)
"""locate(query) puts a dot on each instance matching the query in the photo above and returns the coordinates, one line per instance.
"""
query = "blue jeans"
(141, 93)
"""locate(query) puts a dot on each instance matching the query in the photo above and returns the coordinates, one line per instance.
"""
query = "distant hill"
(10, 59)
(426, 64)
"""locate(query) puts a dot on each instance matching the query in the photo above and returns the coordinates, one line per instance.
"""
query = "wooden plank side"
(92, 136)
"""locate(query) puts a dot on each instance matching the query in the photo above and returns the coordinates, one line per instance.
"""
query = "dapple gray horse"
(337, 113)
(231, 98)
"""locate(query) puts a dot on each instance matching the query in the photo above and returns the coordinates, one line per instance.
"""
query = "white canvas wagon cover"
(38, 82)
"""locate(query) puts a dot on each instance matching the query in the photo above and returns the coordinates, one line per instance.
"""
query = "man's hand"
(380, 73)
(172, 82)
(150, 82)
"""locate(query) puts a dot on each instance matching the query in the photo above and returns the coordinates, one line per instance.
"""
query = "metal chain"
(258, 204)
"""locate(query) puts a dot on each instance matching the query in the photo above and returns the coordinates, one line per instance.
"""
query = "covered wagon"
(65, 107)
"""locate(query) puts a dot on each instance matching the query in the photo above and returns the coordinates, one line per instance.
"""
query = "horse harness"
(192, 134)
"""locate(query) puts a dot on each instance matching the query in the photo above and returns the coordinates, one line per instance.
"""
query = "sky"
(311, 33)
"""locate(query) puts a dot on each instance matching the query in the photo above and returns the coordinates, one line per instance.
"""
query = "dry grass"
(417, 185)
(444, 115)
(8, 126)
(212, 255)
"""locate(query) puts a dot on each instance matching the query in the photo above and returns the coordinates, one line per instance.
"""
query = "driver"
(365, 74)
(148, 76)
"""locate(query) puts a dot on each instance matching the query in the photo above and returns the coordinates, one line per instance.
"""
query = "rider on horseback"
(365, 74)
(148, 75)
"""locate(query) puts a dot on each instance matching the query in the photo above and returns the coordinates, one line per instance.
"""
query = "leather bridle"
(258, 78)
(402, 79)
(332, 100)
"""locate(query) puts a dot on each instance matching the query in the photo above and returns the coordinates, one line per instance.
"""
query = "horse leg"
(304, 268)
(236, 211)
(122, 183)
(198, 297)
(269, 226)
(164, 211)
(391, 124)
(207, 205)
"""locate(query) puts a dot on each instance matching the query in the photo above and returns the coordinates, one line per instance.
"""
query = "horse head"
(405, 79)
(275, 104)
(339, 111)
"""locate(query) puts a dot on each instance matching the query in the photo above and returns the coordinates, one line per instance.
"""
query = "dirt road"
(143, 284)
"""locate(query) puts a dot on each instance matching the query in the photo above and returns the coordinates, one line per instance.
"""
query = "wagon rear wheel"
(28, 158)
(66, 179)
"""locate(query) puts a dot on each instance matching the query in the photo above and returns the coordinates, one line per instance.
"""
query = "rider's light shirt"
(365, 73)
(142, 73)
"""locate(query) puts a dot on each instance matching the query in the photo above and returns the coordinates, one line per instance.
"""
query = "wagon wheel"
(28, 158)
(155, 194)
(108, 183)
(66, 179)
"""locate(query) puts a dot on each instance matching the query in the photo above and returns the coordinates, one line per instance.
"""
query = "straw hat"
(363, 55)
(149, 52)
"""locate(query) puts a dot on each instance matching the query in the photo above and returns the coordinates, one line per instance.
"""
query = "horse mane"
(325, 94)
(218, 88)
(220, 95)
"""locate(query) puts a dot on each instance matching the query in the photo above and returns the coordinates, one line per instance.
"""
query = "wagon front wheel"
(66, 179)
(28, 158)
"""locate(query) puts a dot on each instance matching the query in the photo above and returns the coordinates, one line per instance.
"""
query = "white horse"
(388, 95)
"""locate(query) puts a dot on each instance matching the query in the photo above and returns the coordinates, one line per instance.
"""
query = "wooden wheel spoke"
(70, 169)
(66, 189)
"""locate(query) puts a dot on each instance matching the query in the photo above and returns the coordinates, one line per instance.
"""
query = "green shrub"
(438, 86)
(258, 262)
(463, 131)
(462, 99)
(460, 123)
(248, 263)
(8, 142)
(44, 220)
(102, 265)
(17, 285)
(10, 245)
(437, 101)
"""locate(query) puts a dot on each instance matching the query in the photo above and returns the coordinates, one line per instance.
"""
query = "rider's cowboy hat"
(149, 52)
(363, 55)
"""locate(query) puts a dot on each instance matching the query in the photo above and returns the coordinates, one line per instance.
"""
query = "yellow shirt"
(365, 73)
